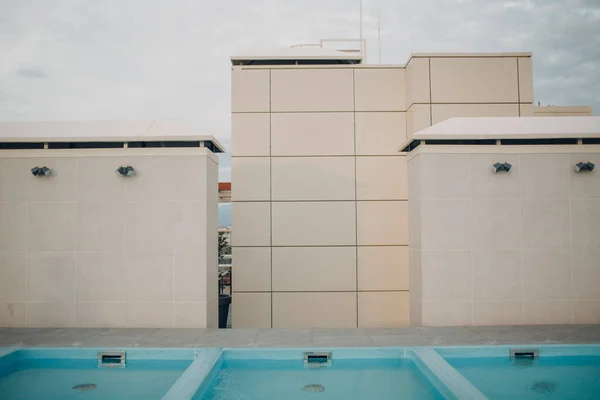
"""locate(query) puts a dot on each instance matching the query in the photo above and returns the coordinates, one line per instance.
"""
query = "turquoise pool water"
(344, 379)
(474, 373)
(559, 377)
(30, 376)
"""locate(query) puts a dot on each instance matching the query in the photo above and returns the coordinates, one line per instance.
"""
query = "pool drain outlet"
(543, 387)
(84, 387)
(314, 388)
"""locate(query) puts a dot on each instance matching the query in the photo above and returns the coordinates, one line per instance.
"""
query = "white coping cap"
(99, 131)
(511, 128)
(299, 53)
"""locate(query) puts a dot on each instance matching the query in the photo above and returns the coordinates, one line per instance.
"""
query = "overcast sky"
(159, 59)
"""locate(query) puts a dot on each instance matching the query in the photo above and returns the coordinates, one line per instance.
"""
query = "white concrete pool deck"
(412, 336)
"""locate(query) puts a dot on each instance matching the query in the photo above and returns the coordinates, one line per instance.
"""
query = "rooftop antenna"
(379, 35)
(361, 29)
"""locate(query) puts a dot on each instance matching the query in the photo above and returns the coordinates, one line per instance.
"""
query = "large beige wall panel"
(445, 224)
(474, 80)
(249, 90)
(380, 133)
(383, 309)
(13, 273)
(251, 310)
(50, 315)
(100, 315)
(328, 223)
(447, 313)
(100, 276)
(382, 222)
(415, 286)
(586, 311)
(251, 222)
(383, 268)
(52, 226)
(252, 269)
(418, 117)
(417, 81)
(150, 226)
(12, 315)
(13, 226)
(13, 173)
(152, 182)
(100, 226)
(381, 178)
(525, 79)
(312, 134)
(250, 134)
(313, 178)
(312, 90)
(149, 277)
(250, 179)
(327, 310)
(149, 315)
(380, 89)
(441, 112)
(309, 269)
(96, 180)
(61, 185)
(443, 176)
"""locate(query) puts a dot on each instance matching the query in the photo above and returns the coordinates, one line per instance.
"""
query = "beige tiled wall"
(442, 87)
(504, 249)
(320, 191)
(88, 248)
(333, 139)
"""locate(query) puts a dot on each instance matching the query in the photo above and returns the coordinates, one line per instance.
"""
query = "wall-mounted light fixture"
(126, 171)
(584, 166)
(40, 171)
(501, 167)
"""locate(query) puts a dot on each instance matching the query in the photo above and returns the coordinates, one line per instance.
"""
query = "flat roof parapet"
(101, 134)
(509, 131)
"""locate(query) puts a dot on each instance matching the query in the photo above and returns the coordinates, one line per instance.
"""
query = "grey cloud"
(31, 73)
(151, 59)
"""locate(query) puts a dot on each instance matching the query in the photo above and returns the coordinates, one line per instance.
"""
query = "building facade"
(84, 246)
(320, 190)
(512, 246)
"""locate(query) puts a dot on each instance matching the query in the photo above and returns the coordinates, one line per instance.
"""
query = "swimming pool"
(553, 372)
(36, 374)
(354, 374)
(558, 372)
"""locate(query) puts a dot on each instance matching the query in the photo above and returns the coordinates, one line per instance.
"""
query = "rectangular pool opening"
(524, 354)
(317, 360)
(112, 359)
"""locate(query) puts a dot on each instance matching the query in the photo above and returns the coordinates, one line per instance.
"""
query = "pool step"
(111, 359)
(524, 354)
(317, 359)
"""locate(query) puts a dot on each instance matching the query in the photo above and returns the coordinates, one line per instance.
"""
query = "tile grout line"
(471, 240)
(271, 197)
(571, 308)
(27, 250)
(518, 88)
(519, 177)
(124, 251)
(355, 196)
(75, 255)
(430, 96)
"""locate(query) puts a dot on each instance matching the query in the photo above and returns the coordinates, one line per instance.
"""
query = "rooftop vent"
(309, 54)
